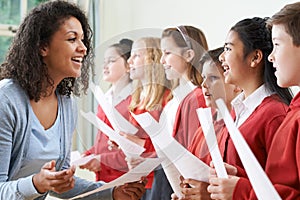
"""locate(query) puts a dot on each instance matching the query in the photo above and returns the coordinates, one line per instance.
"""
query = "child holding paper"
(182, 48)
(258, 110)
(110, 164)
(283, 163)
(214, 87)
(150, 94)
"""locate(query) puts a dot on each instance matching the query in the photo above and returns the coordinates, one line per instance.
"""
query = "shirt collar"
(182, 90)
(241, 104)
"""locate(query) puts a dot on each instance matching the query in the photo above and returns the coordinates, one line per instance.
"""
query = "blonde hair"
(156, 82)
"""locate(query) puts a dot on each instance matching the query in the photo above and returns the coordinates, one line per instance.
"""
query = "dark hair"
(255, 35)
(289, 17)
(192, 38)
(24, 62)
(123, 48)
(212, 56)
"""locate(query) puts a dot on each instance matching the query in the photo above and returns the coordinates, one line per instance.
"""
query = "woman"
(49, 59)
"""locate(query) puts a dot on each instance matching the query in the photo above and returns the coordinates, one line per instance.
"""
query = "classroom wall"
(120, 17)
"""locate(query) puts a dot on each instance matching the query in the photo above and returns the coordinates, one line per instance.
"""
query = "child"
(110, 164)
(283, 164)
(259, 109)
(182, 48)
(150, 94)
(213, 87)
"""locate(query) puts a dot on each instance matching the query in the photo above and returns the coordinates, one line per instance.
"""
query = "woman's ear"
(43, 51)
(256, 58)
(189, 55)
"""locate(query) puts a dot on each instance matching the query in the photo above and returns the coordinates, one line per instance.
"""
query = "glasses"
(182, 30)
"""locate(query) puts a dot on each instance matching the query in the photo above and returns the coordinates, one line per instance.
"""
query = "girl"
(110, 164)
(259, 109)
(182, 48)
(150, 94)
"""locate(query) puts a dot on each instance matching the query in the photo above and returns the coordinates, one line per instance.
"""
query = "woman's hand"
(50, 179)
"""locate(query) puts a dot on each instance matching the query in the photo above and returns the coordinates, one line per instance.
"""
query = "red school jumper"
(150, 150)
(113, 162)
(283, 163)
(186, 120)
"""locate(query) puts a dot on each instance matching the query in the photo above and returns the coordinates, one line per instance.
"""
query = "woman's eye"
(72, 39)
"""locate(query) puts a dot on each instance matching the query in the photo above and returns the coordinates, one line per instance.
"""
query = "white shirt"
(115, 99)
(243, 108)
(168, 114)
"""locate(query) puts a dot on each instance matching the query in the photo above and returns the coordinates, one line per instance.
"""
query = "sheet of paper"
(187, 164)
(260, 182)
(133, 175)
(118, 122)
(206, 121)
(171, 172)
(83, 160)
(129, 148)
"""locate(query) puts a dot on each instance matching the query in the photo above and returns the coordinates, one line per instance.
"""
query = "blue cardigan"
(15, 130)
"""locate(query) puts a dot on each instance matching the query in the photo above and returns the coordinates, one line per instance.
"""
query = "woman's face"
(137, 61)
(114, 66)
(65, 52)
(174, 63)
(233, 61)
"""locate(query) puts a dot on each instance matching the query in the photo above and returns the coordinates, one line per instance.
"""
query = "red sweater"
(186, 120)
(150, 150)
(199, 147)
(283, 163)
(113, 162)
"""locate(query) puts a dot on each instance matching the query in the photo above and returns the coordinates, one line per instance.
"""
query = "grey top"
(15, 131)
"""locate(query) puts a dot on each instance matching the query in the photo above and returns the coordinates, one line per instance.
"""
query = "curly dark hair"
(24, 62)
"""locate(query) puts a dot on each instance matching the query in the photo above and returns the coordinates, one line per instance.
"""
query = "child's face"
(214, 86)
(114, 66)
(137, 61)
(213, 83)
(172, 59)
(235, 65)
(285, 57)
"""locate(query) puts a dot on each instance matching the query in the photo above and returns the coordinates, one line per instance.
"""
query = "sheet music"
(118, 122)
(129, 148)
(133, 175)
(205, 118)
(187, 164)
